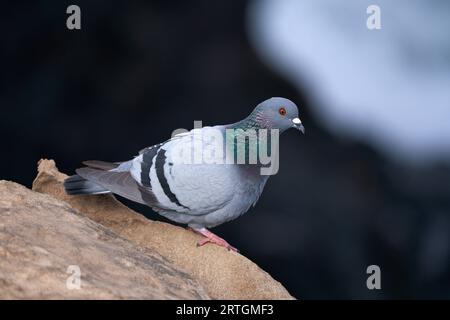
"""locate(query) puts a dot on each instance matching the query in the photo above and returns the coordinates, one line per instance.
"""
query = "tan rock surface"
(223, 274)
(40, 237)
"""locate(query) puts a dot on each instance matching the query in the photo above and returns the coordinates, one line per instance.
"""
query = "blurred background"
(368, 184)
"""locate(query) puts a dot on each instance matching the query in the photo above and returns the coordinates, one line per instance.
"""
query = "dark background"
(138, 70)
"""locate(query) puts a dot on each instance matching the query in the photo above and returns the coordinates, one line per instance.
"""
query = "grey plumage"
(200, 195)
(77, 185)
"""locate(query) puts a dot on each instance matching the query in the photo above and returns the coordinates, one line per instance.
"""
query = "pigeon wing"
(121, 183)
(182, 186)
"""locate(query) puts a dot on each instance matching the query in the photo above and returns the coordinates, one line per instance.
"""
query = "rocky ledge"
(57, 246)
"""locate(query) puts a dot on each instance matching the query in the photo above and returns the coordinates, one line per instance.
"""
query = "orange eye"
(282, 111)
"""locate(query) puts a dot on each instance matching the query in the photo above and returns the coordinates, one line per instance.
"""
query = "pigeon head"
(277, 113)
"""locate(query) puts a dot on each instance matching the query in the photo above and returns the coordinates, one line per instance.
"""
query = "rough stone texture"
(40, 237)
(224, 274)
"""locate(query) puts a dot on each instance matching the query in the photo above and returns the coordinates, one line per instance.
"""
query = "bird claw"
(219, 243)
(210, 237)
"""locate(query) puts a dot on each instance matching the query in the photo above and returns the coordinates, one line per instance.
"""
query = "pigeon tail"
(75, 185)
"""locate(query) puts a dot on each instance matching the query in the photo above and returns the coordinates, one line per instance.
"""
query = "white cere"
(296, 121)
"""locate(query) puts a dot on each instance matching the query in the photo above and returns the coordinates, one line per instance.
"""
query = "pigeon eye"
(282, 111)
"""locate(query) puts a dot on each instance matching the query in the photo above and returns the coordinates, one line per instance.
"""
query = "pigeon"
(200, 194)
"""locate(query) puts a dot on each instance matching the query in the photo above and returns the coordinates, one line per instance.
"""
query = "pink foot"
(212, 238)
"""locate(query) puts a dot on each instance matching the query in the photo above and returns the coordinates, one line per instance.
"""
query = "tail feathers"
(102, 165)
(118, 182)
(77, 185)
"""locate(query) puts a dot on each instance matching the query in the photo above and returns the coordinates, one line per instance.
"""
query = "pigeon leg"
(211, 237)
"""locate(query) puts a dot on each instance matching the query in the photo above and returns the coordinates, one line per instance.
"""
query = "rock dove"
(200, 194)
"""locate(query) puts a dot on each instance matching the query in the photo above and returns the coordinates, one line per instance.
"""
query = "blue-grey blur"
(369, 183)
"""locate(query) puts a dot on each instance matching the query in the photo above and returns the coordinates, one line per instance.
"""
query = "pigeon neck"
(254, 121)
(247, 136)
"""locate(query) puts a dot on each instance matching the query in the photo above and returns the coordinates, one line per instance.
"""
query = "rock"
(224, 274)
(41, 237)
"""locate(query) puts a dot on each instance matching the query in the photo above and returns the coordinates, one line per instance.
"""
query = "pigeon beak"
(297, 124)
